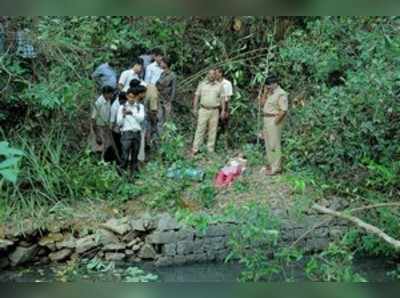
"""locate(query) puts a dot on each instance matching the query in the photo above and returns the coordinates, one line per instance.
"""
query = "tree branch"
(382, 205)
(361, 224)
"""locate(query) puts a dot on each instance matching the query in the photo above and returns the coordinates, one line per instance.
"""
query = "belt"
(209, 108)
(130, 132)
(270, 115)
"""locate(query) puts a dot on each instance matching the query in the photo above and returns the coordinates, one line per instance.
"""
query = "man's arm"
(120, 116)
(196, 99)
(139, 115)
(173, 88)
(283, 104)
(148, 74)
(195, 103)
(122, 81)
(96, 73)
(281, 115)
(93, 125)
(263, 96)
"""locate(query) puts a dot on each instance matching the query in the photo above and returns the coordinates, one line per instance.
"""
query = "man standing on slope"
(228, 93)
(210, 94)
(275, 102)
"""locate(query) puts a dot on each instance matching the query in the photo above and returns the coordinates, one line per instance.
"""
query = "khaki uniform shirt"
(210, 94)
(277, 102)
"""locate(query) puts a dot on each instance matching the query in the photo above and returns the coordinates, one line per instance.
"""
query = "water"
(374, 270)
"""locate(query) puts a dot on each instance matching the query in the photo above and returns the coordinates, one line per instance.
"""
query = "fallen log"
(361, 224)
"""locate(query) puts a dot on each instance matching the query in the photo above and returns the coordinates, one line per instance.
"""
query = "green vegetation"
(341, 139)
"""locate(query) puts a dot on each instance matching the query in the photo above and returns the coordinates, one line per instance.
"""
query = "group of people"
(129, 115)
(132, 108)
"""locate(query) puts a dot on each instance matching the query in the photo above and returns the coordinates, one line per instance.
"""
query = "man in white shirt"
(146, 59)
(129, 119)
(154, 70)
(101, 114)
(128, 75)
(228, 93)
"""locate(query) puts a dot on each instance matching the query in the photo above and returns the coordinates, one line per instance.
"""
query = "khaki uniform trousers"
(207, 118)
(272, 135)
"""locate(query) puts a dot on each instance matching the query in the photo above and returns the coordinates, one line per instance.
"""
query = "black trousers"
(110, 155)
(130, 143)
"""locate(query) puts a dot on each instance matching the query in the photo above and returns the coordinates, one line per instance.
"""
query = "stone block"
(60, 255)
(185, 247)
(68, 242)
(85, 244)
(22, 255)
(117, 226)
(129, 253)
(147, 252)
(162, 237)
(133, 242)
(114, 247)
(143, 224)
(169, 250)
(214, 243)
(106, 237)
(186, 233)
(167, 223)
(216, 230)
(51, 239)
(114, 256)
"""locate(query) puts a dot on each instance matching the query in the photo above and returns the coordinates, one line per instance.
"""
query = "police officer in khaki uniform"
(275, 102)
(210, 94)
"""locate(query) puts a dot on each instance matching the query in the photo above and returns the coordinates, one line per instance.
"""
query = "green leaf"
(8, 163)
(9, 175)
(8, 151)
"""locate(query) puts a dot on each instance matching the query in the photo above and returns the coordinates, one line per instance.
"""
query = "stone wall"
(158, 239)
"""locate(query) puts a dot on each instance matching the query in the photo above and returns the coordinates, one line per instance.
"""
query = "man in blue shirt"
(105, 75)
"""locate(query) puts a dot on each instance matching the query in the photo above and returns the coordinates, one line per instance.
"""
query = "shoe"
(266, 169)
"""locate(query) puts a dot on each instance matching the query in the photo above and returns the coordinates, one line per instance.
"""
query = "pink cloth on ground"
(227, 175)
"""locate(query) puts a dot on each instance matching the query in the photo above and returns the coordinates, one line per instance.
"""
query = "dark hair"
(167, 60)
(220, 70)
(272, 79)
(107, 90)
(136, 62)
(134, 83)
(122, 96)
(157, 52)
(136, 90)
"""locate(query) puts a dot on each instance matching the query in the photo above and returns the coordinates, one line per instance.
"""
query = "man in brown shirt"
(210, 94)
(275, 102)
(166, 85)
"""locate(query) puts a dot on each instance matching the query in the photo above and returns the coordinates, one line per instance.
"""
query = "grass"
(59, 184)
